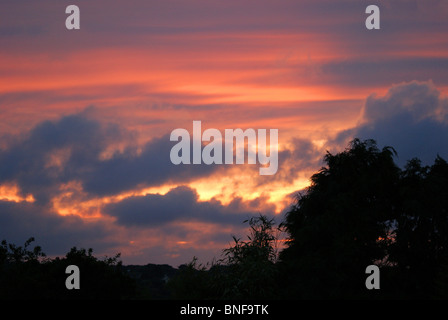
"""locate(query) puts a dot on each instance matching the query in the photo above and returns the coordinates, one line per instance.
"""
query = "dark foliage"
(247, 269)
(27, 274)
(151, 280)
(362, 209)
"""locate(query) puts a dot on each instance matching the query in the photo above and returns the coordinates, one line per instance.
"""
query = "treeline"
(360, 209)
(27, 273)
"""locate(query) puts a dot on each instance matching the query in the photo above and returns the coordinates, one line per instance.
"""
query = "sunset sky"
(86, 115)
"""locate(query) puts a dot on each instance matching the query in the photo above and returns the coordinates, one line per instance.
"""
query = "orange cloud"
(11, 192)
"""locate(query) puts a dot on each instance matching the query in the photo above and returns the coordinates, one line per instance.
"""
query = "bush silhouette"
(246, 270)
(27, 274)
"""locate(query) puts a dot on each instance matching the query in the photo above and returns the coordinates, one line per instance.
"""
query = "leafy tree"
(420, 247)
(362, 209)
(193, 282)
(252, 272)
(10, 253)
(100, 278)
(27, 274)
(21, 273)
(246, 271)
(340, 225)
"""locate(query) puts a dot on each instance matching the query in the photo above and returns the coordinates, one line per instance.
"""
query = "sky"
(86, 114)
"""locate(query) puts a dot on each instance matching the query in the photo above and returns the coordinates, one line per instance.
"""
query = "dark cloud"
(151, 167)
(72, 148)
(412, 117)
(77, 148)
(76, 141)
(181, 204)
(54, 233)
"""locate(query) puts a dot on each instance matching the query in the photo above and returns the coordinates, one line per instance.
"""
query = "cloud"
(103, 157)
(69, 165)
(412, 117)
(57, 152)
(182, 204)
(299, 156)
(54, 233)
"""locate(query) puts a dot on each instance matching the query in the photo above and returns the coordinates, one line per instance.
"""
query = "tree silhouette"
(420, 248)
(251, 264)
(27, 274)
(100, 278)
(21, 273)
(247, 269)
(361, 209)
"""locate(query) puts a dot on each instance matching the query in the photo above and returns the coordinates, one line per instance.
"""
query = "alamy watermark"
(72, 22)
(72, 281)
(232, 144)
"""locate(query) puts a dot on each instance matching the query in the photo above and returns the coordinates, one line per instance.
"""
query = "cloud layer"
(182, 204)
(80, 180)
(98, 170)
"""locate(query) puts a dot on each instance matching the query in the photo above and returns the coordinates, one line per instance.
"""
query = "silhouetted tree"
(251, 270)
(27, 274)
(340, 225)
(21, 273)
(420, 247)
(361, 209)
(100, 278)
(193, 281)
(247, 269)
